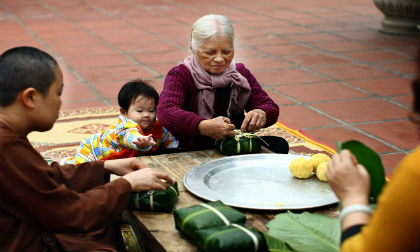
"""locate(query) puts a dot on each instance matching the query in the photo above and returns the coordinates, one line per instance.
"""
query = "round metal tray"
(257, 181)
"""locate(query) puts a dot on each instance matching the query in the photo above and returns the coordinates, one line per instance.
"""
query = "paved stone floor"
(325, 63)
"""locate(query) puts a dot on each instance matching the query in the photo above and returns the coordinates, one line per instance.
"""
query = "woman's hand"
(217, 128)
(254, 120)
(349, 180)
(123, 166)
(148, 179)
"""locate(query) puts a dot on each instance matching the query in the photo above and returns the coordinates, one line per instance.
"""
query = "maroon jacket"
(42, 205)
(177, 109)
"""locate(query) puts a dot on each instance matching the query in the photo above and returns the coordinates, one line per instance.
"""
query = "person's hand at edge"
(351, 183)
(349, 180)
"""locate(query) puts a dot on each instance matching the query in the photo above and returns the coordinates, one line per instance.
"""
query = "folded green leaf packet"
(155, 200)
(242, 143)
(230, 238)
(206, 215)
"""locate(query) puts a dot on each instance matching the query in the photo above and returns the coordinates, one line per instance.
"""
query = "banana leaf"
(371, 161)
(303, 232)
(276, 245)
(155, 200)
(242, 143)
(230, 238)
(190, 219)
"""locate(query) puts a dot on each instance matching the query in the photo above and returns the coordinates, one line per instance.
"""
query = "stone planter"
(401, 16)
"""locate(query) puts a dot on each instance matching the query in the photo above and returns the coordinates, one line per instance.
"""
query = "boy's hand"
(148, 179)
(124, 166)
(144, 141)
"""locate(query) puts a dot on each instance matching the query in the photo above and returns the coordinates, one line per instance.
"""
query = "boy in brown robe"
(55, 208)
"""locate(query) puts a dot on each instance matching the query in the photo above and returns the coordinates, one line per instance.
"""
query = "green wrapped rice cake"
(232, 238)
(155, 200)
(242, 143)
(206, 215)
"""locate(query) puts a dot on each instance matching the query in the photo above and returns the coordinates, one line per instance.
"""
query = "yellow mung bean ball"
(316, 159)
(300, 168)
(321, 171)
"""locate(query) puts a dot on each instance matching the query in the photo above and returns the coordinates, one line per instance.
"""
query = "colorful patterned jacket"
(117, 142)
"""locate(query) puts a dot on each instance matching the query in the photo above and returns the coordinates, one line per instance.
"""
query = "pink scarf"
(206, 85)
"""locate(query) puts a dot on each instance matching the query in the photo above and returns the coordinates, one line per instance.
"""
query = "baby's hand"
(144, 141)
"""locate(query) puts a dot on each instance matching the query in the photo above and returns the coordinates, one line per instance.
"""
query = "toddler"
(136, 133)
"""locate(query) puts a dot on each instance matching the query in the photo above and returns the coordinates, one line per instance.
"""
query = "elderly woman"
(208, 96)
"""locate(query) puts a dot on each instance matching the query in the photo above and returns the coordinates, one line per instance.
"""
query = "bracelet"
(354, 208)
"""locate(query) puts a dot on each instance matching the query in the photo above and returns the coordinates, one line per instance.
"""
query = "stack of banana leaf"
(215, 226)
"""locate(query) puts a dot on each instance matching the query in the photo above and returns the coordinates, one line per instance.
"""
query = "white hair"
(210, 26)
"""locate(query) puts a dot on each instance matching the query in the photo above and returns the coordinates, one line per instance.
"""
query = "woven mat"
(73, 126)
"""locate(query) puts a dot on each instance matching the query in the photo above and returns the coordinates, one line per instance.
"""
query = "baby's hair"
(133, 89)
(24, 67)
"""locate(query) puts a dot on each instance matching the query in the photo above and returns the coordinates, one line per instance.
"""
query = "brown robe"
(55, 208)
